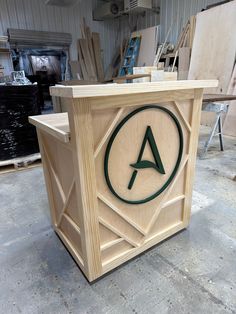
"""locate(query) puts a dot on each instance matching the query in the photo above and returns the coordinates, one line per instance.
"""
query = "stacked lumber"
(90, 65)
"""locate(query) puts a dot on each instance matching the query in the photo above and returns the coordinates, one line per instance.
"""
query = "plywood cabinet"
(119, 167)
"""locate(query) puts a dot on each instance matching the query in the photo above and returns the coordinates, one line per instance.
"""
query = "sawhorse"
(219, 109)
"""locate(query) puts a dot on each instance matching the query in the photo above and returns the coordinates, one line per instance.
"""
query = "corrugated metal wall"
(173, 13)
(35, 15)
(176, 13)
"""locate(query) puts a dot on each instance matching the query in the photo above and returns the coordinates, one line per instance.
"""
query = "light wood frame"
(100, 231)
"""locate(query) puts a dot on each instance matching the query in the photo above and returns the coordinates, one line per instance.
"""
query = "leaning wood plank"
(192, 30)
(81, 61)
(91, 51)
(125, 89)
(214, 46)
(87, 59)
(213, 52)
(98, 57)
(184, 61)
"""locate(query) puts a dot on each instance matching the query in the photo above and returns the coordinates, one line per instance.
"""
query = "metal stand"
(218, 108)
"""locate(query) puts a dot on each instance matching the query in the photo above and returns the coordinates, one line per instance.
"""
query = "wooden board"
(218, 97)
(184, 61)
(214, 46)
(126, 89)
(55, 124)
(147, 51)
(87, 59)
(76, 70)
(97, 55)
(100, 228)
(82, 64)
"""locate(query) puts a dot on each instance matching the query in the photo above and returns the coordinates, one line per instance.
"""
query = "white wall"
(35, 15)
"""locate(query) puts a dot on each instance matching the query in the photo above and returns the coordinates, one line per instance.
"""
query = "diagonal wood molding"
(108, 132)
(55, 176)
(122, 215)
(187, 125)
(165, 200)
(117, 232)
(65, 205)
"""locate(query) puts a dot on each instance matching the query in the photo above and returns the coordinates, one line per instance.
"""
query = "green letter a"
(142, 164)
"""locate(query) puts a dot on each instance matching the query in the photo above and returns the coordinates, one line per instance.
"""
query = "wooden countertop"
(56, 124)
(99, 90)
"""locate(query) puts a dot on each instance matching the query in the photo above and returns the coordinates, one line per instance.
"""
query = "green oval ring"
(111, 140)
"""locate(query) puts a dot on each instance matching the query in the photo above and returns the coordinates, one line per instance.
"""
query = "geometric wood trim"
(164, 200)
(177, 105)
(47, 177)
(163, 234)
(70, 246)
(173, 201)
(122, 215)
(85, 91)
(55, 176)
(72, 223)
(110, 244)
(106, 264)
(66, 203)
(117, 232)
(108, 132)
(99, 103)
(193, 145)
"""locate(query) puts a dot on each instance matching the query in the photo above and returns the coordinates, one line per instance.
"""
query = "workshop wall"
(35, 15)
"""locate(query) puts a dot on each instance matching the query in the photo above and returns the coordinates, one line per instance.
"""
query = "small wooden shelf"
(56, 125)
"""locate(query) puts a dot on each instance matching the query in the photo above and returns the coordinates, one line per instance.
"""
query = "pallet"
(21, 163)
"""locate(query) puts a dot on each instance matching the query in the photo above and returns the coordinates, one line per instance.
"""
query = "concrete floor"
(192, 272)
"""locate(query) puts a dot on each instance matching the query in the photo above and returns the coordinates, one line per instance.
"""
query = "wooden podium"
(119, 167)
